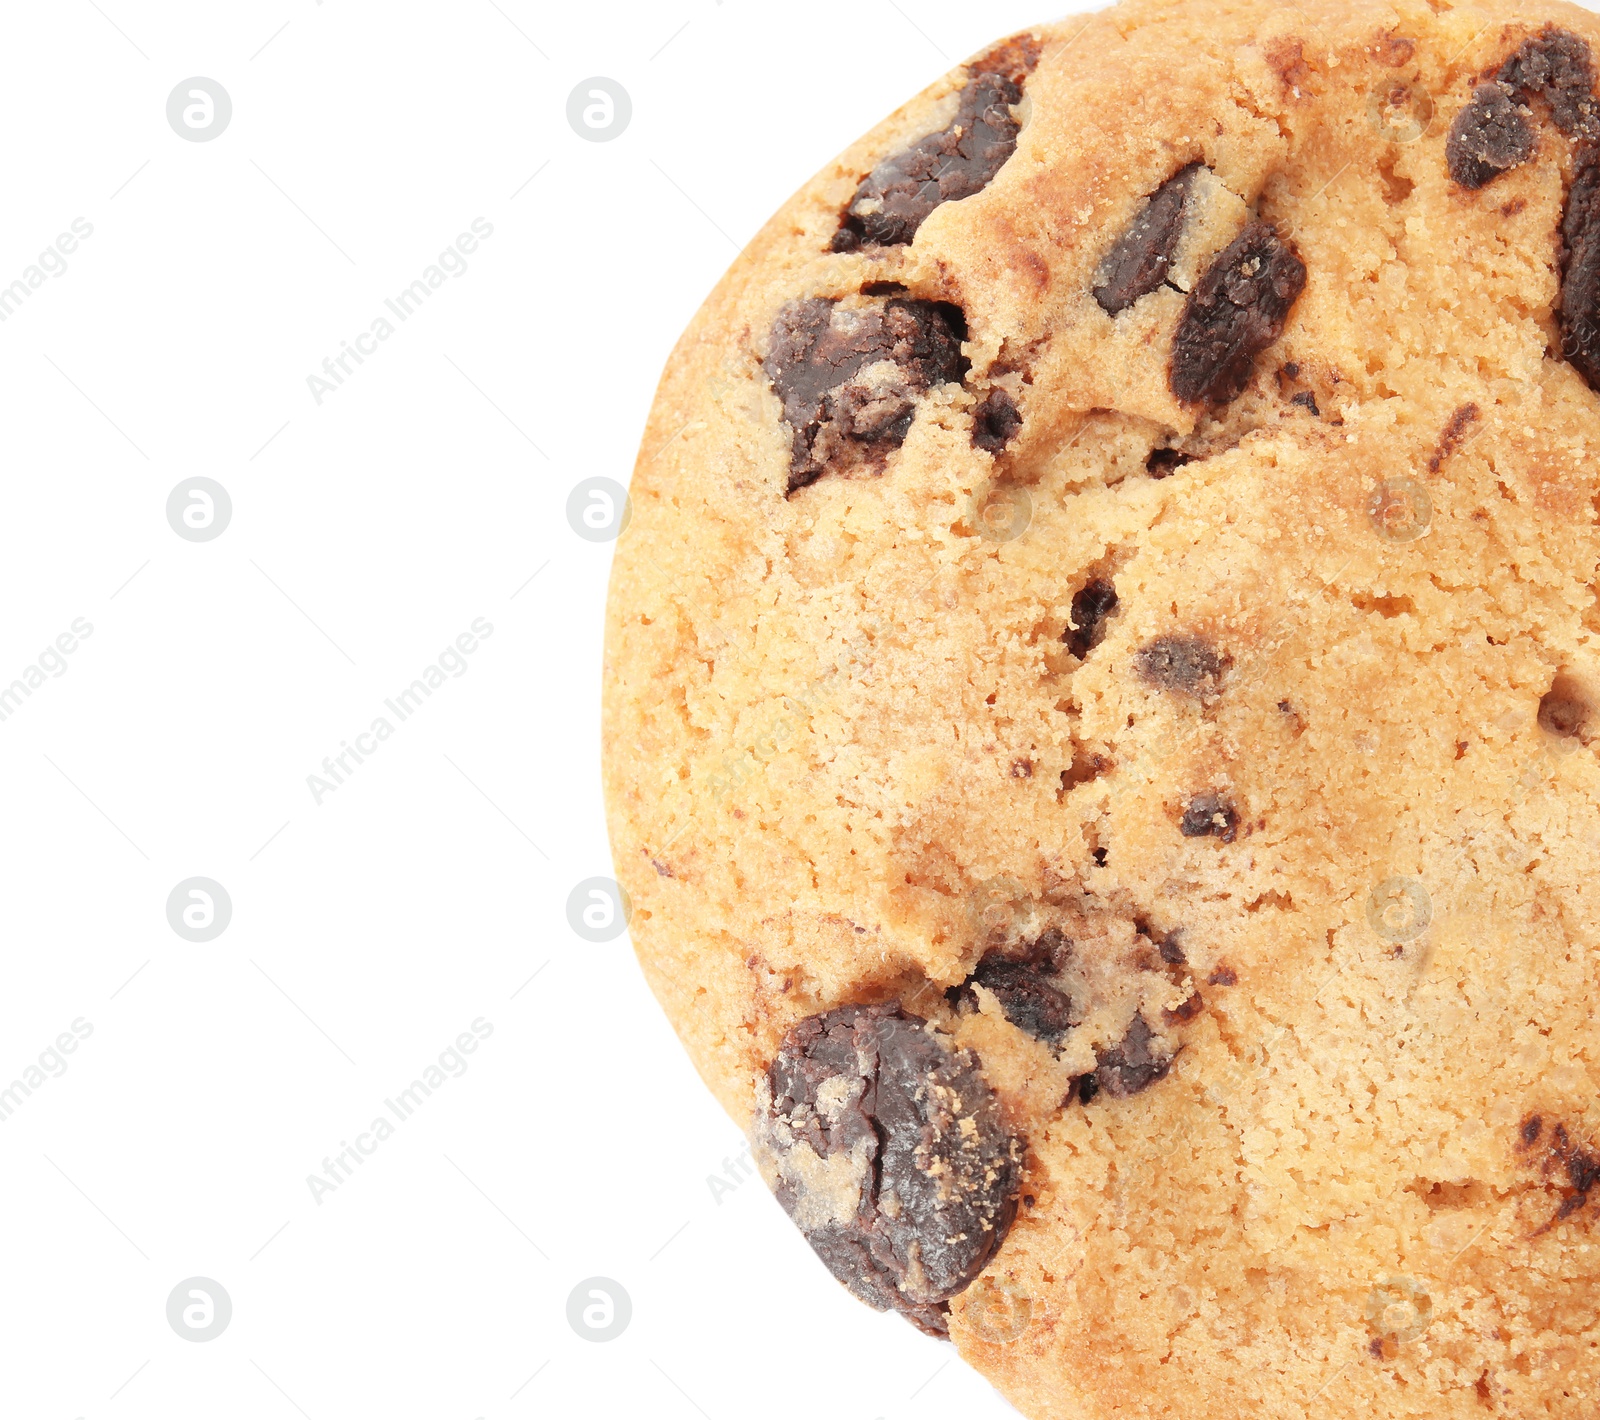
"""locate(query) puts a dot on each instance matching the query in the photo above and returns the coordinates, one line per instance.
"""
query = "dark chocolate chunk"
(1162, 462)
(1580, 267)
(1029, 1001)
(1237, 309)
(1133, 1064)
(995, 421)
(1556, 66)
(1139, 262)
(1307, 401)
(887, 1148)
(895, 198)
(1209, 815)
(1091, 605)
(1490, 136)
(849, 377)
(1181, 663)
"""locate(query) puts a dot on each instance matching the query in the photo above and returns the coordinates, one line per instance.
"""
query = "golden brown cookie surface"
(1106, 661)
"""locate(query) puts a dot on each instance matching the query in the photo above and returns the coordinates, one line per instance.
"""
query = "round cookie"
(1102, 709)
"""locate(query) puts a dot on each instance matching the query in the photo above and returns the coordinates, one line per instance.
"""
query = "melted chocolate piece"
(1182, 663)
(1580, 268)
(1091, 605)
(1139, 262)
(995, 421)
(1563, 711)
(895, 198)
(887, 1148)
(1556, 66)
(850, 377)
(1029, 1001)
(1489, 137)
(1161, 463)
(1237, 309)
(1131, 1065)
(1209, 815)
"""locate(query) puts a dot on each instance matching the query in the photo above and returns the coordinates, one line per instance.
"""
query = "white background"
(430, 888)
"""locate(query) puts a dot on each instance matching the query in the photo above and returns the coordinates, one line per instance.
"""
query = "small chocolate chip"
(1580, 267)
(1489, 137)
(1028, 1000)
(1139, 262)
(1181, 663)
(1132, 1064)
(850, 377)
(1162, 462)
(895, 198)
(1556, 66)
(995, 421)
(1100, 855)
(1185, 1010)
(1209, 815)
(1171, 951)
(1530, 1130)
(1223, 976)
(1563, 711)
(888, 1149)
(1307, 401)
(1022, 769)
(1455, 430)
(1092, 604)
(1237, 309)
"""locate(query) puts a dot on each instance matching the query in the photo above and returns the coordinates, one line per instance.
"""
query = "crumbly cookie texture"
(1102, 709)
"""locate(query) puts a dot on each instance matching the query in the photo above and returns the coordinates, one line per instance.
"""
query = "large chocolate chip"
(1029, 1001)
(1182, 663)
(1209, 815)
(1133, 1064)
(887, 1148)
(1490, 136)
(1139, 262)
(895, 198)
(1556, 66)
(849, 377)
(1580, 267)
(1091, 605)
(995, 421)
(1237, 309)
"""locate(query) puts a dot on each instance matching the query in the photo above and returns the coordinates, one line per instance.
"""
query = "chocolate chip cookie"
(1102, 710)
